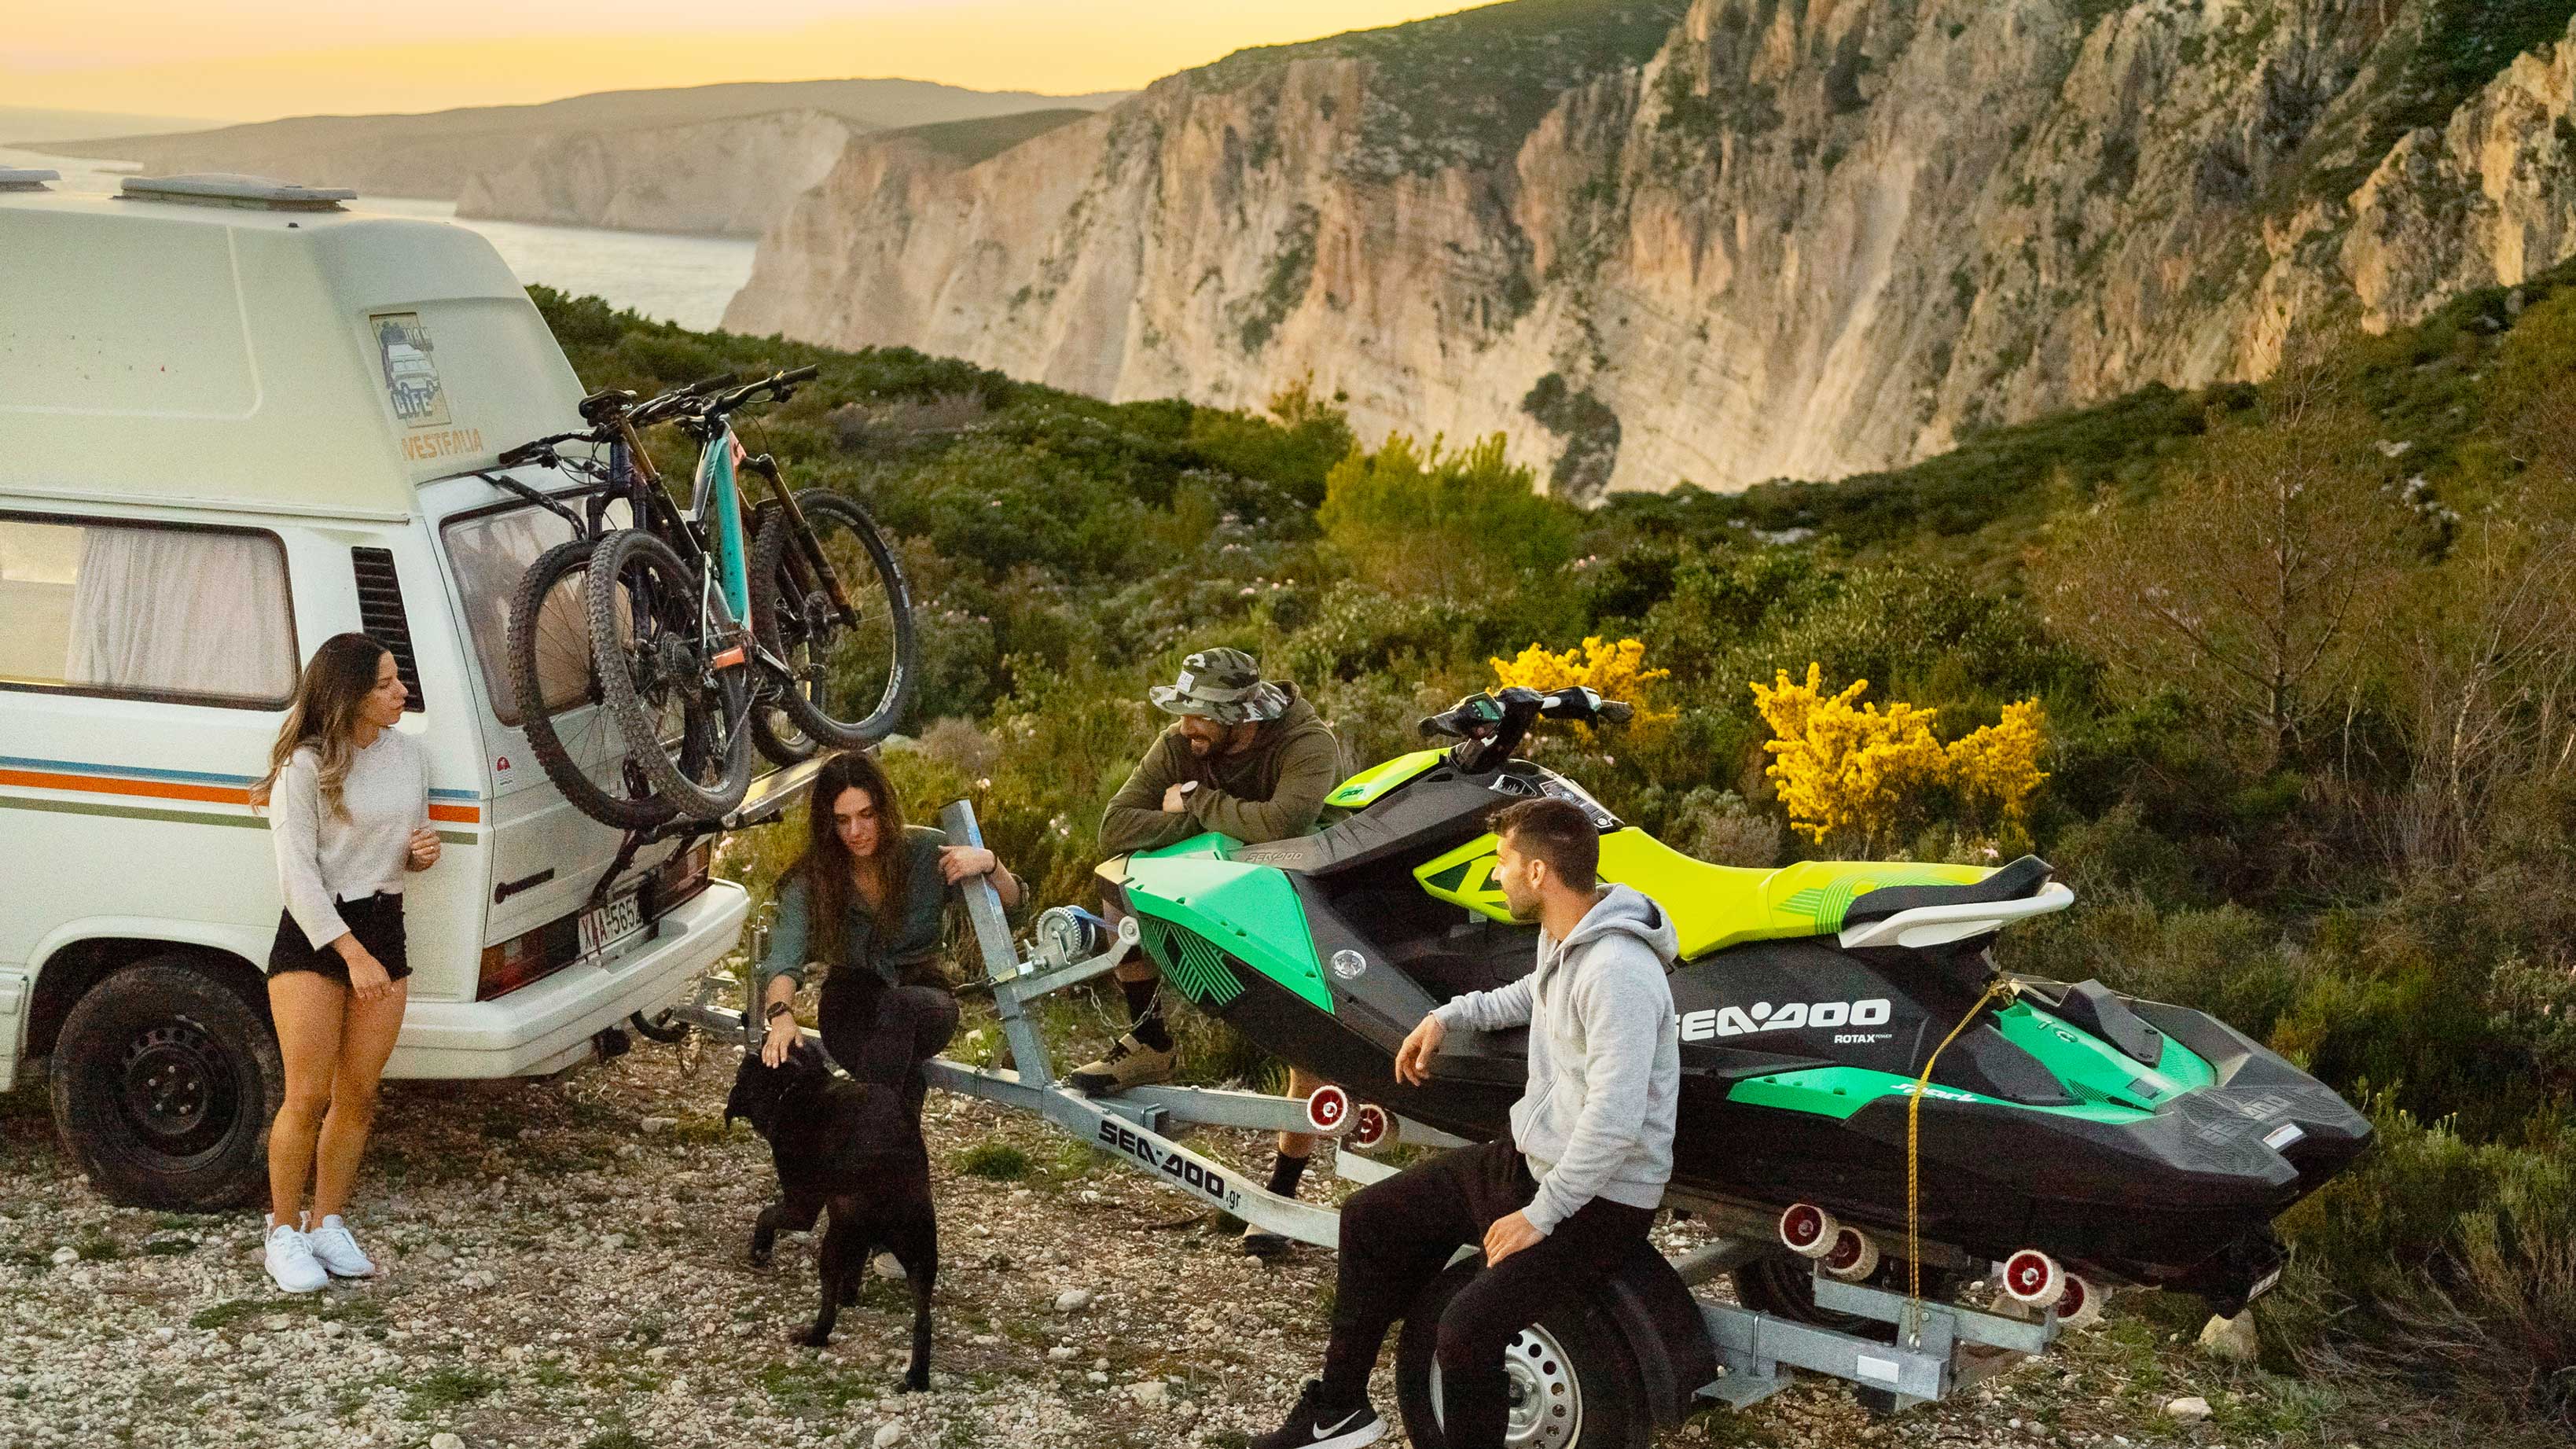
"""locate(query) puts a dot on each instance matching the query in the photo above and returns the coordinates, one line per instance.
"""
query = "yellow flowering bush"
(1614, 670)
(1848, 768)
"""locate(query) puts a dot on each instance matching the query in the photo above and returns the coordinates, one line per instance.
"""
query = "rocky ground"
(564, 1266)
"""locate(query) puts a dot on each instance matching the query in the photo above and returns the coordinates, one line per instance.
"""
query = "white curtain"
(177, 611)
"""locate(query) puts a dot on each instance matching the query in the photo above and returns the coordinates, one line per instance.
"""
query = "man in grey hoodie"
(1571, 1194)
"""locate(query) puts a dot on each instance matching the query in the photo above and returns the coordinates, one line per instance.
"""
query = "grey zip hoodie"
(1605, 1066)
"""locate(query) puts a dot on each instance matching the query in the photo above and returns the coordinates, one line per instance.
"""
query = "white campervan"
(236, 419)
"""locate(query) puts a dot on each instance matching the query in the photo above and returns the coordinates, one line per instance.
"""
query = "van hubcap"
(176, 1088)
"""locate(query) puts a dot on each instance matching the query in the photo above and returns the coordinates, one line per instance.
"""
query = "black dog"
(851, 1147)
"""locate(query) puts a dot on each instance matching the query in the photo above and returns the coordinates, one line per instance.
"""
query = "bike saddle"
(600, 406)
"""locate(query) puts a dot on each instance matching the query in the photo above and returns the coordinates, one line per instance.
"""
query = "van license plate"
(606, 926)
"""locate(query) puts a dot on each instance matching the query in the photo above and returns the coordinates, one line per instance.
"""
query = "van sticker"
(410, 364)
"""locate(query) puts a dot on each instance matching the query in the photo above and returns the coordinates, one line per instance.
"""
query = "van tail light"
(681, 877)
(516, 962)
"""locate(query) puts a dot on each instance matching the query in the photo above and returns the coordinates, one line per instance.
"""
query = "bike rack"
(1940, 1348)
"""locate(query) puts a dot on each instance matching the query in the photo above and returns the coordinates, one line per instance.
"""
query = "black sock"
(1284, 1174)
(1145, 1010)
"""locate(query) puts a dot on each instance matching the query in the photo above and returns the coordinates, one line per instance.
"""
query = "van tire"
(1592, 1362)
(638, 808)
(165, 1079)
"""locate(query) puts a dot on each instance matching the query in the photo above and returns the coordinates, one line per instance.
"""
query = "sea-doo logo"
(1182, 1171)
(1763, 1016)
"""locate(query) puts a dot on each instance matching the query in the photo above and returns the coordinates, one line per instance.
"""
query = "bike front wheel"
(849, 676)
(685, 716)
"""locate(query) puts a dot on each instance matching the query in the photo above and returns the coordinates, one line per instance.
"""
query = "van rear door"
(547, 856)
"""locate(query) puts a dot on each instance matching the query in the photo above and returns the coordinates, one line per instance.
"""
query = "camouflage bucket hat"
(1224, 685)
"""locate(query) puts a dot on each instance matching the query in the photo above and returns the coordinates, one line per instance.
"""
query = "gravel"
(564, 1268)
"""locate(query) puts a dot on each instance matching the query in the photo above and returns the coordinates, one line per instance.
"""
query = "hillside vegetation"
(2301, 658)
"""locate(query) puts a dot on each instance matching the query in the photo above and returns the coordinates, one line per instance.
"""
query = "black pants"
(1397, 1235)
(882, 1033)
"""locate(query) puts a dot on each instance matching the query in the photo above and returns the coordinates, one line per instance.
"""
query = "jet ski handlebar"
(1488, 726)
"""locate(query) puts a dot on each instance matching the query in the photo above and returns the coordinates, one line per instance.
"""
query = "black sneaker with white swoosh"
(1314, 1424)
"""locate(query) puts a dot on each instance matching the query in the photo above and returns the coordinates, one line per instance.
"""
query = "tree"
(2257, 578)
(1419, 520)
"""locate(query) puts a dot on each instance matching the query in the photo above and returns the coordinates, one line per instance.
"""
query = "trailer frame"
(1937, 1348)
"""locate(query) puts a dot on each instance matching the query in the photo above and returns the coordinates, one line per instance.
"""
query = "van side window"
(149, 611)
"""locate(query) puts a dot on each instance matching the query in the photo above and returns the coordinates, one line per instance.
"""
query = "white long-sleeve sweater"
(323, 858)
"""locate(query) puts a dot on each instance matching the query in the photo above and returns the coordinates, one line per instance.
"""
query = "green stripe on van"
(179, 817)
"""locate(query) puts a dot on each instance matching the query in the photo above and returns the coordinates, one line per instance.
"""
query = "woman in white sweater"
(348, 801)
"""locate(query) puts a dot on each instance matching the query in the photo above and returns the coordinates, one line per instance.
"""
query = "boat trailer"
(1937, 1348)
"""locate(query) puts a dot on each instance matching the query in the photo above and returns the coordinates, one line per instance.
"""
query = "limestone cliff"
(1723, 240)
(731, 177)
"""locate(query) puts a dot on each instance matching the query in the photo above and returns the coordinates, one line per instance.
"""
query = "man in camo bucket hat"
(1247, 758)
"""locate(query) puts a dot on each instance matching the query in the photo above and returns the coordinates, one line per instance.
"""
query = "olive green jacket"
(1271, 789)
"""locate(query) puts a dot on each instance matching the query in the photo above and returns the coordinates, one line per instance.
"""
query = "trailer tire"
(1579, 1352)
(165, 1079)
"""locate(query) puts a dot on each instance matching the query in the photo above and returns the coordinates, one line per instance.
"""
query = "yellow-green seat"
(1712, 906)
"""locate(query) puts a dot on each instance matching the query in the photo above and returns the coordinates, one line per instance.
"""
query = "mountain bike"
(693, 636)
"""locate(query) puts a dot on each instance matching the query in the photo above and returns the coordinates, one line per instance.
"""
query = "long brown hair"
(826, 864)
(325, 716)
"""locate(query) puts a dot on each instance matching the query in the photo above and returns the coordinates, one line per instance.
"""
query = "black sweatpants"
(1397, 1235)
(882, 1033)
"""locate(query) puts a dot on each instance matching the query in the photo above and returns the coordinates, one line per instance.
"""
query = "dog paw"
(916, 1383)
(760, 1257)
(810, 1339)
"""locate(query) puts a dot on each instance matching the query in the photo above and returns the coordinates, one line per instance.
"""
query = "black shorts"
(377, 923)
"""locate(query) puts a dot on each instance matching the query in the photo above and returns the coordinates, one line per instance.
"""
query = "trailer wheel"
(1574, 1379)
(1783, 1285)
(164, 1081)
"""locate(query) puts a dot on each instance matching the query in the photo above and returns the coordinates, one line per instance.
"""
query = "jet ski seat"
(1717, 906)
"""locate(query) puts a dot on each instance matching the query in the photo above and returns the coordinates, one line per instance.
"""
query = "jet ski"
(2068, 1138)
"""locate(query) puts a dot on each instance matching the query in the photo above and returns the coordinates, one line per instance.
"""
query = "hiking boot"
(1130, 1063)
(1263, 1244)
(1314, 1424)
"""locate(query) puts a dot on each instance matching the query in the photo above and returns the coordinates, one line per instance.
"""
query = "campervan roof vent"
(19, 180)
(253, 193)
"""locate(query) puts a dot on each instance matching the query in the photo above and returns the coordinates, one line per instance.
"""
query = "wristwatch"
(776, 1010)
(1188, 788)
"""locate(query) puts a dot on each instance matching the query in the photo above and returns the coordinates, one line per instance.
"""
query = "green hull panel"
(1222, 908)
(1838, 1092)
(2094, 1069)
(1364, 788)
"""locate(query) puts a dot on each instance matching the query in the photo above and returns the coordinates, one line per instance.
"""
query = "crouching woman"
(865, 904)
(347, 796)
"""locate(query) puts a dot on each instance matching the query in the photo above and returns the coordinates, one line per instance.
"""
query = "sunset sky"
(259, 59)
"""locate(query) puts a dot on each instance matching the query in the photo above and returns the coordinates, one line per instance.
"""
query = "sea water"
(683, 279)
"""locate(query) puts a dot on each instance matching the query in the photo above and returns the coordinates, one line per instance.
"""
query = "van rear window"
(489, 553)
(148, 611)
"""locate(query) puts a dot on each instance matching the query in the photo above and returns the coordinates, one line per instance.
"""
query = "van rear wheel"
(165, 1079)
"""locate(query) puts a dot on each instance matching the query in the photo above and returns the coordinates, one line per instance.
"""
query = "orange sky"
(258, 59)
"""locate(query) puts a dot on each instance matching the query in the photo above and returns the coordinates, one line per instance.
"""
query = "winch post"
(1001, 964)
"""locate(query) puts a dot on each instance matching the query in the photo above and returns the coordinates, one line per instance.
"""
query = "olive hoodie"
(1269, 790)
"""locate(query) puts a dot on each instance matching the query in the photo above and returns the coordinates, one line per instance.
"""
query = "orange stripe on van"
(175, 790)
(102, 785)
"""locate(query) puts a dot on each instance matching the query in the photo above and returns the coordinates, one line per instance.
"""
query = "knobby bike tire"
(638, 579)
(795, 623)
(627, 802)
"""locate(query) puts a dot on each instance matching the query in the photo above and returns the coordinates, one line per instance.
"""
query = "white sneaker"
(338, 1251)
(291, 1261)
